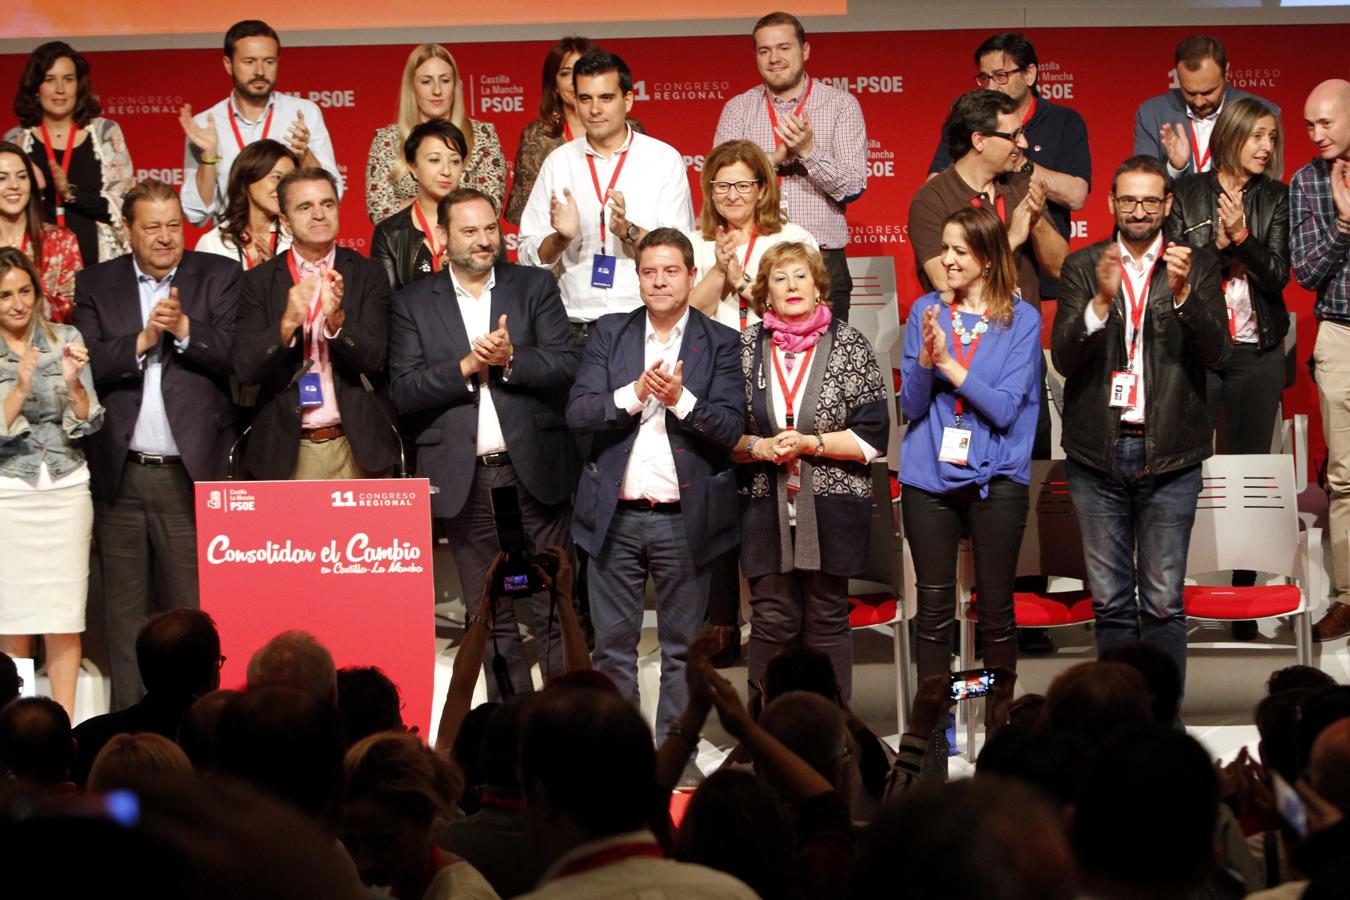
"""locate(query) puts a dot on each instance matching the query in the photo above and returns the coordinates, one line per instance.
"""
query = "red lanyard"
(567, 131)
(745, 267)
(1200, 161)
(1000, 205)
(773, 116)
(964, 354)
(1136, 306)
(431, 238)
(601, 195)
(234, 126)
(65, 167)
(790, 393)
(314, 304)
(1031, 111)
(608, 856)
(248, 259)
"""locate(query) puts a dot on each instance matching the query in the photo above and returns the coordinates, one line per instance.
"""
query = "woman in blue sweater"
(971, 370)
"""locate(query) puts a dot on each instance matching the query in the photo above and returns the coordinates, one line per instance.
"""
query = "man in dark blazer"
(660, 391)
(312, 334)
(480, 361)
(159, 324)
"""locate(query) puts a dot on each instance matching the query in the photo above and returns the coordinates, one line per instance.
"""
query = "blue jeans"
(639, 544)
(1136, 529)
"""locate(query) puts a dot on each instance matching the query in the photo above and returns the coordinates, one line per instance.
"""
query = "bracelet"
(678, 730)
(210, 160)
(820, 445)
(750, 447)
(1237, 241)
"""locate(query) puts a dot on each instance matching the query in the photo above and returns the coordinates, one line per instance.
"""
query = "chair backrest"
(1055, 382)
(1246, 516)
(1051, 544)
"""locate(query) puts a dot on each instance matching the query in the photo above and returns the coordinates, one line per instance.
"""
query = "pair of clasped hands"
(330, 286)
(933, 352)
(73, 360)
(491, 349)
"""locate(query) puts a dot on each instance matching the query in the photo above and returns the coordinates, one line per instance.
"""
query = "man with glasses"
(1057, 141)
(1176, 126)
(1136, 328)
(815, 136)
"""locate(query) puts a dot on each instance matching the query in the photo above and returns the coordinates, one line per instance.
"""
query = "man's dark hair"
(1093, 700)
(26, 106)
(10, 682)
(369, 702)
(736, 824)
(800, 669)
(178, 653)
(1316, 713)
(598, 62)
(590, 753)
(1291, 677)
(667, 237)
(298, 176)
(151, 190)
(197, 728)
(446, 131)
(35, 742)
(455, 198)
(1146, 814)
(1052, 763)
(1197, 48)
(1159, 671)
(499, 750)
(781, 18)
(973, 111)
(1149, 165)
(1277, 717)
(1013, 43)
(247, 29)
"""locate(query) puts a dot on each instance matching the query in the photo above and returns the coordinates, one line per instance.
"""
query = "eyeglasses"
(1130, 204)
(722, 188)
(1013, 136)
(998, 76)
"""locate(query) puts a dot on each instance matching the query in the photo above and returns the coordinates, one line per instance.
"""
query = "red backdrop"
(904, 81)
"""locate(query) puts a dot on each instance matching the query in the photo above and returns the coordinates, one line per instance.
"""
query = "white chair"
(1247, 518)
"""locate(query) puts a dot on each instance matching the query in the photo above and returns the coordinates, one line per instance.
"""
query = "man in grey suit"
(1175, 127)
(480, 361)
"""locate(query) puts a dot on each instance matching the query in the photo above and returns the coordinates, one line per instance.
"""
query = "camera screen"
(971, 684)
(515, 582)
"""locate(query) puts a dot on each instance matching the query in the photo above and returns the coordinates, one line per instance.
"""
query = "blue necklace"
(962, 334)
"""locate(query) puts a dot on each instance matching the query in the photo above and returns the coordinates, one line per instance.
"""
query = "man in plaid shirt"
(815, 135)
(1319, 214)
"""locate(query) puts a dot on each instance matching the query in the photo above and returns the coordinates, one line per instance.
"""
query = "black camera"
(516, 575)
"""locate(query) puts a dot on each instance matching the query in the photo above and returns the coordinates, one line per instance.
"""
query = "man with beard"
(251, 112)
(1136, 327)
(481, 360)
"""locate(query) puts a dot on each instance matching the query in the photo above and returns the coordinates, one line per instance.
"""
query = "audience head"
(432, 89)
(740, 187)
(287, 742)
(1317, 712)
(1247, 140)
(814, 728)
(10, 682)
(55, 83)
(252, 49)
(1141, 198)
(369, 702)
(35, 743)
(986, 123)
(435, 153)
(308, 200)
(1298, 676)
(295, 659)
(473, 237)
(1202, 73)
(468, 749)
(154, 218)
(1327, 116)
(178, 652)
(1159, 672)
(197, 728)
(976, 254)
(1007, 63)
(781, 50)
(254, 176)
(792, 281)
(665, 267)
(396, 786)
(1093, 700)
(1050, 762)
(130, 760)
(21, 295)
(558, 90)
(19, 197)
(1329, 765)
(979, 837)
(1277, 717)
(604, 92)
(499, 748)
(800, 668)
(1145, 818)
(734, 823)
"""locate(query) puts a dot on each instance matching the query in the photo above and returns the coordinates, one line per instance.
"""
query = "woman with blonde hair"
(742, 217)
(970, 375)
(131, 759)
(396, 789)
(46, 515)
(815, 418)
(432, 88)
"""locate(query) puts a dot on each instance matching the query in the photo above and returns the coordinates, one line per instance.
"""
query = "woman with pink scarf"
(816, 416)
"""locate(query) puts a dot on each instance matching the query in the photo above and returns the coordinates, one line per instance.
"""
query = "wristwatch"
(632, 234)
(1027, 167)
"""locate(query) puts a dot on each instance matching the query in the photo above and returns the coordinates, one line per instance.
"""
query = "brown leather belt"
(322, 435)
(494, 459)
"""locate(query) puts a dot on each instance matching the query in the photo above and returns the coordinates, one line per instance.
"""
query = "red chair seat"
(871, 609)
(1032, 609)
(1258, 602)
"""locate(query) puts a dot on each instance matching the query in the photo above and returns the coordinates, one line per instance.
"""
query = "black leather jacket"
(1179, 344)
(1265, 252)
(394, 246)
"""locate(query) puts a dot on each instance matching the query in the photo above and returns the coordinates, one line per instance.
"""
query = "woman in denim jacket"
(48, 404)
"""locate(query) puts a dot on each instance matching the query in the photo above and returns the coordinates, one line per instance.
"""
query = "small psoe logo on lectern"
(213, 500)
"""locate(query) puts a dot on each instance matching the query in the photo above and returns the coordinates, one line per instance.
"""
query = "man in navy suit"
(480, 360)
(159, 324)
(660, 391)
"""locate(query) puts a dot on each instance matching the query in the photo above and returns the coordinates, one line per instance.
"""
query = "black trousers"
(841, 282)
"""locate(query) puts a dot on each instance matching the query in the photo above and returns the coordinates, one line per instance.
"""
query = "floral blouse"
(60, 261)
(484, 170)
(535, 146)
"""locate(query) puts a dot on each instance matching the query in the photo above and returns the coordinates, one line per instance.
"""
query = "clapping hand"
(796, 135)
(167, 316)
(1178, 261)
(1176, 145)
(27, 369)
(494, 348)
(1108, 281)
(665, 386)
(202, 137)
(1232, 218)
(934, 338)
(297, 136)
(73, 360)
(563, 215)
(331, 288)
(618, 218)
(1340, 189)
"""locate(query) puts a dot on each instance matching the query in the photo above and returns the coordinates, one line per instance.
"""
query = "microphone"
(402, 460)
(299, 373)
(230, 474)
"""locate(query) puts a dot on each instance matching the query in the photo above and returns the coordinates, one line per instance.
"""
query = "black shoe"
(1245, 630)
(1035, 641)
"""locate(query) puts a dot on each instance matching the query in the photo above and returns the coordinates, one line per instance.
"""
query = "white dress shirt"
(655, 190)
(283, 108)
(651, 474)
(1199, 140)
(477, 315)
(1138, 272)
(152, 433)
